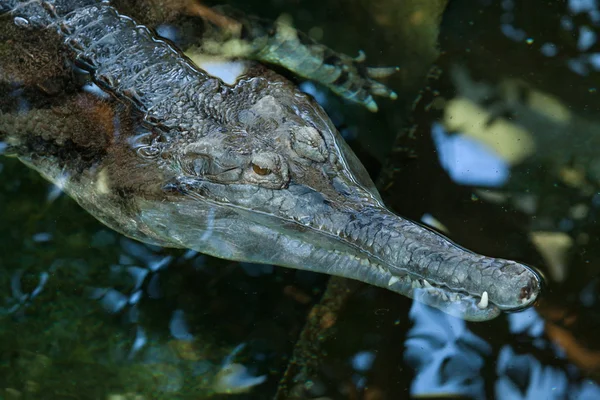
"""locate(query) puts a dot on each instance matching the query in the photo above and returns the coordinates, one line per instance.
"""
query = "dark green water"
(499, 143)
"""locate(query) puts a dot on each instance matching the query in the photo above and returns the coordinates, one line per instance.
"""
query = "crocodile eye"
(200, 166)
(308, 143)
(267, 170)
(260, 170)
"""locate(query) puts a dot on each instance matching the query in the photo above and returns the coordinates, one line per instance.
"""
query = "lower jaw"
(212, 234)
(459, 305)
(365, 269)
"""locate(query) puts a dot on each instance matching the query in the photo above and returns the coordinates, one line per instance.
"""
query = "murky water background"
(496, 145)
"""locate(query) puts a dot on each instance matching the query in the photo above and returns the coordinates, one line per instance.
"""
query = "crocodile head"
(252, 171)
(267, 178)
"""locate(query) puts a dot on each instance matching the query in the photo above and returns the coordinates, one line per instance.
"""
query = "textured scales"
(255, 171)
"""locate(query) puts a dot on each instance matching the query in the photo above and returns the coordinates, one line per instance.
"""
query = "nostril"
(527, 291)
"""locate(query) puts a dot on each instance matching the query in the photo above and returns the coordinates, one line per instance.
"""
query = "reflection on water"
(446, 356)
(468, 161)
(500, 153)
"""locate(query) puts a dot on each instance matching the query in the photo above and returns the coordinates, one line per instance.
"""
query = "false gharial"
(148, 142)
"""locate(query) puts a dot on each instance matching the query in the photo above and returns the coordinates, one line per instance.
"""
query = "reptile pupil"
(260, 171)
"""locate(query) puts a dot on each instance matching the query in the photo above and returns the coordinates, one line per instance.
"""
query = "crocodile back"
(124, 58)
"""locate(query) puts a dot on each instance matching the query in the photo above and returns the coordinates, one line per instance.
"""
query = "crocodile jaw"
(370, 244)
(374, 246)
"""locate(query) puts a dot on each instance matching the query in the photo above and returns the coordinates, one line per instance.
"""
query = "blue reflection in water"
(523, 377)
(361, 363)
(135, 297)
(139, 342)
(234, 377)
(588, 296)
(468, 161)
(178, 326)
(168, 32)
(145, 254)
(138, 275)
(445, 354)
(19, 299)
(154, 290)
(448, 359)
(42, 237)
(526, 322)
(363, 360)
(549, 49)
(256, 270)
(311, 88)
(594, 60)
(578, 65)
(93, 89)
(56, 190)
(585, 6)
(518, 35)
(113, 301)
(134, 254)
(587, 38)
(566, 23)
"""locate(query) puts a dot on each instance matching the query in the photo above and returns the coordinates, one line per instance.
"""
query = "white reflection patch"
(167, 31)
(433, 222)
(94, 89)
(318, 94)
(468, 161)
(234, 377)
(226, 70)
(57, 188)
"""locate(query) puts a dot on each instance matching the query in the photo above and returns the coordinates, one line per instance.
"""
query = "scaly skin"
(280, 44)
(253, 172)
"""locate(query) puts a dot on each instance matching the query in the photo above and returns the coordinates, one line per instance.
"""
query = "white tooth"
(444, 296)
(456, 297)
(427, 284)
(416, 284)
(484, 301)
(393, 280)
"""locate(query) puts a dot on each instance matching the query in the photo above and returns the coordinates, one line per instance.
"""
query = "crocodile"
(161, 151)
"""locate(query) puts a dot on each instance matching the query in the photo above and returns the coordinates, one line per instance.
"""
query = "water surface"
(495, 144)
